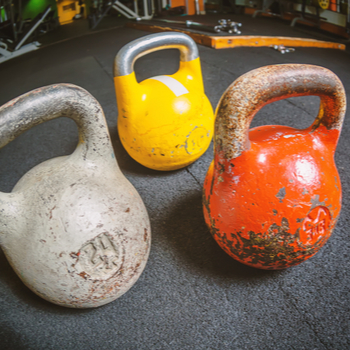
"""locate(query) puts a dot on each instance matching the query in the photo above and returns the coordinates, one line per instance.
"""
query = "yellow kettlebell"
(323, 4)
(165, 122)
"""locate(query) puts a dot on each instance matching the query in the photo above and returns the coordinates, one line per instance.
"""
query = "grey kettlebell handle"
(259, 87)
(128, 54)
(54, 101)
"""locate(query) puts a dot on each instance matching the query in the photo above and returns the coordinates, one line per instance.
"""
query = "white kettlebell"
(74, 229)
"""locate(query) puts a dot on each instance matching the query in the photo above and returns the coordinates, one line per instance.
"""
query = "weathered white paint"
(174, 85)
(74, 229)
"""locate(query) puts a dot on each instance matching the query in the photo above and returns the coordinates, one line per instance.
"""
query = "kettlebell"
(165, 122)
(74, 229)
(272, 195)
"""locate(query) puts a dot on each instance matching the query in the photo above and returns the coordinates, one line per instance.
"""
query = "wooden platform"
(223, 42)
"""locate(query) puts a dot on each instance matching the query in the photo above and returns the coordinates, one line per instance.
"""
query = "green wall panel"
(31, 8)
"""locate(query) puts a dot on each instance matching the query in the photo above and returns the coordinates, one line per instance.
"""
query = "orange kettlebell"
(272, 195)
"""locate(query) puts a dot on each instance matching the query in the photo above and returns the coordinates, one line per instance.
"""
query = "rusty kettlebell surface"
(74, 229)
(272, 195)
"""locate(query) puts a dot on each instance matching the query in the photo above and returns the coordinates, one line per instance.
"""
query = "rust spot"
(274, 249)
(145, 235)
(221, 168)
(83, 274)
(127, 210)
(51, 212)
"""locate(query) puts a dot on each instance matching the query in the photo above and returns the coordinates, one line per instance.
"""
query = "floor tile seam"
(218, 66)
(297, 106)
(43, 46)
(103, 68)
(197, 181)
(292, 301)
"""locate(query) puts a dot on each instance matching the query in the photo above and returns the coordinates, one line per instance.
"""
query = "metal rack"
(12, 35)
(309, 11)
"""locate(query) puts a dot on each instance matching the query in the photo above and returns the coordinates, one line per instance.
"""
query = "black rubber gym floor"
(191, 295)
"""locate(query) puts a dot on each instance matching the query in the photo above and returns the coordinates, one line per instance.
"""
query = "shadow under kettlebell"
(185, 232)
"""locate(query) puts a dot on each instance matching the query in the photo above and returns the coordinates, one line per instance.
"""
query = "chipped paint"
(282, 193)
(92, 224)
(286, 221)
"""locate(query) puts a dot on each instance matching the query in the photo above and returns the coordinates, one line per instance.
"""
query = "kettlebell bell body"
(74, 229)
(165, 122)
(272, 195)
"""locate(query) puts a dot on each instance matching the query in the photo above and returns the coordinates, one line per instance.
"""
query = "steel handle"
(126, 57)
(54, 101)
(259, 87)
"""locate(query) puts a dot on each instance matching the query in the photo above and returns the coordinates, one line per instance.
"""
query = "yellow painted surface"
(324, 4)
(160, 130)
(65, 12)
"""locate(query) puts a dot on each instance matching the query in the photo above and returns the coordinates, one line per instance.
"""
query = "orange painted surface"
(272, 195)
(176, 3)
(220, 42)
(191, 8)
(285, 185)
(249, 10)
(333, 5)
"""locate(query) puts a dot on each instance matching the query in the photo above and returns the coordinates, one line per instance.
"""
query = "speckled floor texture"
(191, 295)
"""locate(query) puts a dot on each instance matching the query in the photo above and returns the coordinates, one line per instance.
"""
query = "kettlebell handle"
(126, 57)
(54, 101)
(259, 87)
